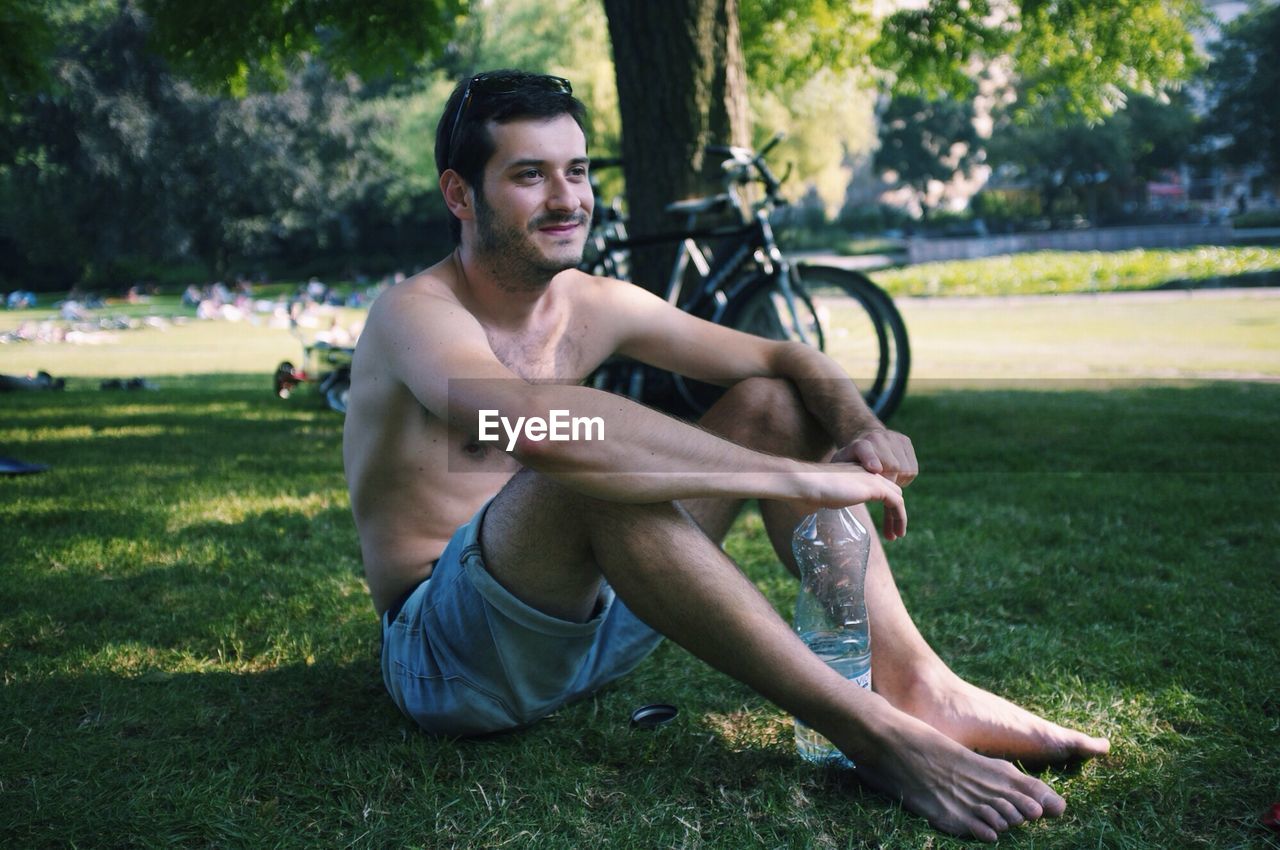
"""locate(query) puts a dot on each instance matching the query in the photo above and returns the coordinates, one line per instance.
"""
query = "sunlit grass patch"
(1053, 272)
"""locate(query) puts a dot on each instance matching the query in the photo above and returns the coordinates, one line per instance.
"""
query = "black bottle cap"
(652, 716)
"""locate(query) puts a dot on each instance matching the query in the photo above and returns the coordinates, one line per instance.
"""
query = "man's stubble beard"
(510, 254)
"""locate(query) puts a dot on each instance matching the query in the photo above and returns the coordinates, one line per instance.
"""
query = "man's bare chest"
(548, 353)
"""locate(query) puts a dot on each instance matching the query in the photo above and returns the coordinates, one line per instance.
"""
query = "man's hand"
(845, 484)
(883, 452)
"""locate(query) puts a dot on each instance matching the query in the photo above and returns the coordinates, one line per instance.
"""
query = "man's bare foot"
(959, 791)
(991, 725)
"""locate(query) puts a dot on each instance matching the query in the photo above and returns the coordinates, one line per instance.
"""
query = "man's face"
(534, 209)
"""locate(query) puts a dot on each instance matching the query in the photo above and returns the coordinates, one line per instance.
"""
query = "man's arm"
(441, 353)
(833, 399)
(656, 333)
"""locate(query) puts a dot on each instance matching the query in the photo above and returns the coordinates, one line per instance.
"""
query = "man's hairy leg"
(675, 578)
(905, 669)
(550, 546)
(911, 676)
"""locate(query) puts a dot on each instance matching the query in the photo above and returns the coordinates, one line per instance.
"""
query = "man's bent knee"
(768, 414)
(541, 539)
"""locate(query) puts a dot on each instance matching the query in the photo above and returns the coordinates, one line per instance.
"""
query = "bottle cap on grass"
(653, 715)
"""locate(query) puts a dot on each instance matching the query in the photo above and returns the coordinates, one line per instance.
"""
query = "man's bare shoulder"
(425, 306)
(593, 283)
(598, 291)
(435, 283)
(626, 306)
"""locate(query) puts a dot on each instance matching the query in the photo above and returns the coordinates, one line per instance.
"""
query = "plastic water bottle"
(831, 549)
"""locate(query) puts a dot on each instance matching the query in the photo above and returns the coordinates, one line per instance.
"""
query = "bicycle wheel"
(649, 385)
(863, 331)
(757, 307)
(762, 310)
(336, 387)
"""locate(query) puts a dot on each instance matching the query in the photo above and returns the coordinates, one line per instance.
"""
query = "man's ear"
(458, 196)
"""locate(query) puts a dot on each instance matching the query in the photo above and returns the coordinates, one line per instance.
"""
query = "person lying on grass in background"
(515, 575)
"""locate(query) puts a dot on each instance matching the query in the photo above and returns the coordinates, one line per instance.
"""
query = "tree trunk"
(681, 87)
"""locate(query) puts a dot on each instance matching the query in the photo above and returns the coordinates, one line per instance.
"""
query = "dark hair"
(510, 96)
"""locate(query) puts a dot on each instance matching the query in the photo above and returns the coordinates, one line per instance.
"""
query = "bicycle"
(747, 283)
(326, 365)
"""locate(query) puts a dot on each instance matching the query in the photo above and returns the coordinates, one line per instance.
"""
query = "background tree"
(809, 76)
(1243, 80)
(237, 45)
(134, 168)
(1063, 59)
(1067, 165)
(683, 67)
(1091, 168)
(926, 141)
(681, 86)
(85, 150)
(26, 40)
(1161, 133)
(290, 177)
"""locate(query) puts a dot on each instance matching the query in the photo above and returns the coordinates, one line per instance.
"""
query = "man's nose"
(563, 195)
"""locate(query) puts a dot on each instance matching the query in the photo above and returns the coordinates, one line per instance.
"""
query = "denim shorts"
(463, 656)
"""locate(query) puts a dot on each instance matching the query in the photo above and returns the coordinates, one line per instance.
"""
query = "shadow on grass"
(273, 583)
(1246, 280)
(304, 754)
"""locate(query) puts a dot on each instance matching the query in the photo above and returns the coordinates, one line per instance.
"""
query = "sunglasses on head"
(482, 84)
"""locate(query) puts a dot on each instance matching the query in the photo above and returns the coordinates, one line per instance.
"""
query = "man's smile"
(563, 227)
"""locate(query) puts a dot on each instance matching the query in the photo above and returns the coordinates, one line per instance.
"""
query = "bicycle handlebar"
(747, 160)
(742, 165)
(771, 182)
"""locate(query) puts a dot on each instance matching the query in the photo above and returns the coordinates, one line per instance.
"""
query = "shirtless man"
(512, 580)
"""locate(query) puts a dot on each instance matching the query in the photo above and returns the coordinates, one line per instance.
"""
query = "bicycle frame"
(744, 281)
(753, 245)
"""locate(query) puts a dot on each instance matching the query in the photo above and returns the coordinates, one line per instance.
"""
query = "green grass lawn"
(1054, 272)
(177, 344)
(1194, 335)
(190, 659)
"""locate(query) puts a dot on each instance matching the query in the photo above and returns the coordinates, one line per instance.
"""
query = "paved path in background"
(871, 262)
(860, 263)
